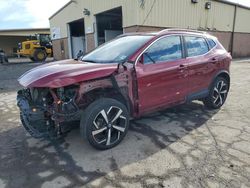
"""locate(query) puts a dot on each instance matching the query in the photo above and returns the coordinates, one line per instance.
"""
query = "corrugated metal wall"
(23, 32)
(165, 13)
(183, 13)
(242, 20)
(70, 13)
(74, 11)
(97, 6)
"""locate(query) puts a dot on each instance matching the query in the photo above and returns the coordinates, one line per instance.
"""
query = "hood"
(64, 73)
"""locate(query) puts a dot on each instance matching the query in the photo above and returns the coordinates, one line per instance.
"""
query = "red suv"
(132, 75)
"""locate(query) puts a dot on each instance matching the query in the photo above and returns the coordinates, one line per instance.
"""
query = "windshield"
(44, 38)
(118, 50)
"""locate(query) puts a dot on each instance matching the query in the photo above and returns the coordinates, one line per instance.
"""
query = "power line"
(149, 12)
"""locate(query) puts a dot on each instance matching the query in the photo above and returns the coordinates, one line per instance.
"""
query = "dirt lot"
(186, 146)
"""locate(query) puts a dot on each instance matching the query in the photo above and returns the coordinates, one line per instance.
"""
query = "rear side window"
(196, 46)
(211, 43)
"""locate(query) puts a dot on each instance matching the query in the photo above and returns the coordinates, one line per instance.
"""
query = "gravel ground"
(185, 146)
(9, 72)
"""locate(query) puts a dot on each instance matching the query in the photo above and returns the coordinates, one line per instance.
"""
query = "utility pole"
(233, 32)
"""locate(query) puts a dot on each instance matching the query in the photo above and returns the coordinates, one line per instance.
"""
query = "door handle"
(181, 67)
(213, 60)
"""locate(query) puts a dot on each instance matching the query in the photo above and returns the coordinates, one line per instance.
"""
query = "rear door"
(162, 74)
(199, 67)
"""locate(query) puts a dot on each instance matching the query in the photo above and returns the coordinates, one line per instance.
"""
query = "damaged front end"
(43, 110)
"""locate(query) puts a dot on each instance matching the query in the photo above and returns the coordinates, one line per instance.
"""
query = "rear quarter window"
(211, 43)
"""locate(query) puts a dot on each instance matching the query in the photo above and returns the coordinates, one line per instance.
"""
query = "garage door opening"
(77, 37)
(109, 25)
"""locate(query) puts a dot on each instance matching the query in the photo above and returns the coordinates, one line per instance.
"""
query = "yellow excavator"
(37, 48)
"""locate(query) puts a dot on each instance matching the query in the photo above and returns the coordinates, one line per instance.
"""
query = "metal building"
(10, 38)
(85, 24)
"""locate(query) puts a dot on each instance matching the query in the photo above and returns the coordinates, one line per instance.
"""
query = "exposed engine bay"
(43, 110)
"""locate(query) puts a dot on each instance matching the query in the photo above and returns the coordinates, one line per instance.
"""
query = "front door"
(162, 74)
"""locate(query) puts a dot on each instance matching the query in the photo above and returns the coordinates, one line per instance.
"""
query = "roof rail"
(178, 29)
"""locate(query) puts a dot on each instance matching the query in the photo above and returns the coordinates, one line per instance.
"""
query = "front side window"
(196, 46)
(163, 50)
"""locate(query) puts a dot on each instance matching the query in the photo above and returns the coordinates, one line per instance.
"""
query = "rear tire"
(40, 55)
(104, 123)
(217, 94)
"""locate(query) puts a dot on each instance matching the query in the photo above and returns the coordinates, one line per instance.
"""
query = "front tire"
(40, 55)
(105, 123)
(217, 94)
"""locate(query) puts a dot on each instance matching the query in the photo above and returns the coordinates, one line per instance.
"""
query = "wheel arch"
(106, 88)
(109, 92)
(40, 48)
(224, 74)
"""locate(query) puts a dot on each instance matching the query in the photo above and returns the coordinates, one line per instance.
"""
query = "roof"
(63, 7)
(24, 29)
(24, 32)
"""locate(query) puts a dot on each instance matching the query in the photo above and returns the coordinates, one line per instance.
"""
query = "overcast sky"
(35, 13)
(243, 2)
(27, 13)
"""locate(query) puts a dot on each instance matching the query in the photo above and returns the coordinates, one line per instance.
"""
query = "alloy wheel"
(108, 126)
(220, 93)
